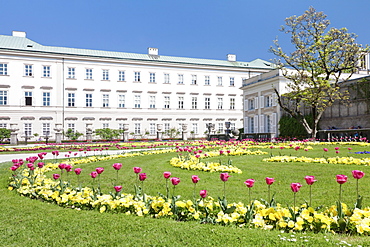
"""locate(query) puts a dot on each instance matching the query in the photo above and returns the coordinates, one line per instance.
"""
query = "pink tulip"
(167, 175)
(142, 176)
(78, 171)
(93, 174)
(224, 176)
(62, 166)
(195, 179)
(99, 170)
(336, 148)
(325, 149)
(221, 152)
(358, 174)
(337, 152)
(269, 181)
(117, 166)
(118, 188)
(295, 187)
(68, 168)
(56, 176)
(310, 180)
(341, 179)
(40, 165)
(203, 193)
(296, 148)
(13, 168)
(137, 169)
(349, 149)
(175, 180)
(29, 165)
(249, 182)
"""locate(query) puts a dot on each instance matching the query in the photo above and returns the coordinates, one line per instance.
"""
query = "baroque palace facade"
(41, 86)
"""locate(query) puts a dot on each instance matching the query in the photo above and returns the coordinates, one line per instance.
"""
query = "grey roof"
(25, 44)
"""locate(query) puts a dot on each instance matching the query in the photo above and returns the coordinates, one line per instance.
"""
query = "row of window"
(264, 101)
(71, 74)
(71, 100)
(46, 129)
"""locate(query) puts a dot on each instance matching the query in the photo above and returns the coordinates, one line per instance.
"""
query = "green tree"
(72, 135)
(4, 134)
(322, 58)
(108, 134)
(172, 133)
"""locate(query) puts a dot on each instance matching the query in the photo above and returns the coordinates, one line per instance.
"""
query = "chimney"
(231, 57)
(19, 34)
(153, 51)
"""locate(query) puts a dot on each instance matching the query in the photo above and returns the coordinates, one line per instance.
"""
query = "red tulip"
(137, 170)
(175, 181)
(341, 179)
(13, 168)
(224, 176)
(62, 166)
(40, 165)
(203, 193)
(68, 168)
(167, 175)
(195, 179)
(336, 148)
(78, 171)
(249, 182)
(358, 174)
(269, 181)
(93, 174)
(295, 187)
(29, 165)
(117, 166)
(56, 176)
(325, 149)
(118, 188)
(142, 176)
(310, 180)
(99, 170)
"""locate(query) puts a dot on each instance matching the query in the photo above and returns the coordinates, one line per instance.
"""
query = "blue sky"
(187, 28)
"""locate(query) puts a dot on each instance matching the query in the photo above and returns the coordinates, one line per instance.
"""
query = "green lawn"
(28, 222)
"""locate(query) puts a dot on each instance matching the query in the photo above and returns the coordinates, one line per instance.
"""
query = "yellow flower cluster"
(332, 160)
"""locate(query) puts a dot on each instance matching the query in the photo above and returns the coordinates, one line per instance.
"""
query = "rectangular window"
(71, 99)
(268, 101)
(27, 129)
(137, 101)
(181, 79)
(193, 79)
(267, 124)
(181, 102)
(206, 80)
(220, 127)
(137, 128)
(152, 77)
(166, 127)
(207, 103)
(105, 125)
(88, 74)
(71, 73)
(152, 101)
(251, 125)
(152, 129)
(28, 70)
(166, 78)
(46, 71)
(3, 125)
(232, 126)
(194, 128)
(232, 103)
(137, 76)
(28, 98)
(167, 102)
(194, 103)
(46, 129)
(251, 104)
(220, 103)
(121, 75)
(3, 97)
(46, 98)
(219, 81)
(71, 126)
(89, 100)
(3, 69)
(232, 81)
(179, 127)
(121, 100)
(105, 75)
(105, 100)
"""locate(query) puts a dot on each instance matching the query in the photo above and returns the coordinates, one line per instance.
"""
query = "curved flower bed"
(332, 160)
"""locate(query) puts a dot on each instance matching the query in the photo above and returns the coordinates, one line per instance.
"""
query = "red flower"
(117, 166)
(78, 171)
(118, 188)
(175, 181)
(99, 170)
(56, 176)
(142, 176)
(40, 165)
(341, 179)
(295, 187)
(195, 179)
(310, 179)
(137, 169)
(167, 175)
(358, 174)
(269, 181)
(224, 176)
(62, 166)
(93, 174)
(249, 182)
(203, 193)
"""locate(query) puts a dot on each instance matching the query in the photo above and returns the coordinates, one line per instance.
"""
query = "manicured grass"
(28, 222)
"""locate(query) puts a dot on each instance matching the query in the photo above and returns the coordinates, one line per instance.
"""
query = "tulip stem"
(310, 195)
(249, 190)
(294, 202)
(224, 189)
(357, 187)
(340, 193)
(268, 194)
(167, 190)
(194, 192)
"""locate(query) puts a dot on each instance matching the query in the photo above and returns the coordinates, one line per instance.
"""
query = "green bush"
(290, 127)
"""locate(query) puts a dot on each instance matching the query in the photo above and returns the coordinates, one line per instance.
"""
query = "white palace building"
(41, 86)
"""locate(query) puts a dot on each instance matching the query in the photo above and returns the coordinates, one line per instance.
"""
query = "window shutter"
(245, 105)
(274, 100)
(262, 101)
(262, 124)
(255, 124)
(256, 103)
(273, 129)
(246, 125)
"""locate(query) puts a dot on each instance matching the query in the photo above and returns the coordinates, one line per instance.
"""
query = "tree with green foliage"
(72, 135)
(4, 134)
(172, 133)
(108, 134)
(322, 59)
